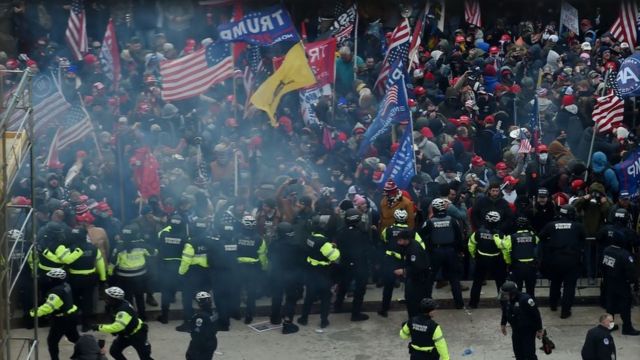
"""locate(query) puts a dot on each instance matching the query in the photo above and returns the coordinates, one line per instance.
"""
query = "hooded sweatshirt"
(603, 173)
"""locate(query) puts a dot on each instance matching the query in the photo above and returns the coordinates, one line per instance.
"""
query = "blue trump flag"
(265, 27)
(628, 78)
(393, 108)
(628, 172)
(402, 166)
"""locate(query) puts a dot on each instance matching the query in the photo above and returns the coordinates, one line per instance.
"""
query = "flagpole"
(595, 127)
(355, 46)
(406, 99)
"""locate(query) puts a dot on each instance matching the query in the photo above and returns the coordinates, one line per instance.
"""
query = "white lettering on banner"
(627, 74)
(569, 17)
(396, 74)
(634, 169)
(254, 25)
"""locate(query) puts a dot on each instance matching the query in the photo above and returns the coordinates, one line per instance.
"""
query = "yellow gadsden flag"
(293, 74)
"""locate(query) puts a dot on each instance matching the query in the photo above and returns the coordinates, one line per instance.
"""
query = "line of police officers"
(197, 256)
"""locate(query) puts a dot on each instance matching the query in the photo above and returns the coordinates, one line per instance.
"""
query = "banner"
(569, 17)
(628, 78)
(393, 108)
(263, 28)
(321, 58)
(309, 99)
(628, 172)
(438, 13)
(402, 166)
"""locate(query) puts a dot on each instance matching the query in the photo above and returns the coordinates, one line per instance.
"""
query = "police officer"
(170, 245)
(443, 237)
(59, 304)
(599, 345)
(285, 264)
(53, 252)
(204, 326)
(130, 266)
(489, 253)
(85, 273)
(620, 223)
(194, 269)
(618, 273)
(252, 259)
(353, 243)
(562, 244)
(392, 260)
(415, 271)
(521, 248)
(320, 255)
(129, 328)
(427, 340)
(521, 312)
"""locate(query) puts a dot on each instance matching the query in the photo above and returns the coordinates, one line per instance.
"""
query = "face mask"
(611, 325)
(413, 109)
(544, 157)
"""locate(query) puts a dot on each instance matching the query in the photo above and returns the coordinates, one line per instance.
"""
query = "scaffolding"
(17, 222)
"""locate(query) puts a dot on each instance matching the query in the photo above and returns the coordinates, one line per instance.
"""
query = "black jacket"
(598, 344)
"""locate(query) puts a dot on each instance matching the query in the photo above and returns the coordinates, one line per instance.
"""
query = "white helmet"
(492, 216)
(439, 204)
(400, 215)
(57, 274)
(249, 221)
(15, 235)
(202, 295)
(115, 292)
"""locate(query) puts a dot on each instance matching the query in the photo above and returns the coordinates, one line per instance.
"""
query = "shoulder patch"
(413, 258)
(199, 322)
(630, 259)
(51, 297)
(606, 341)
(120, 315)
(531, 302)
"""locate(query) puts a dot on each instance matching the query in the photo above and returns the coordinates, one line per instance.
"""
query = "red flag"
(472, 12)
(76, 34)
(145, 172)
(110, 56)
(320, 55)
(303, 30)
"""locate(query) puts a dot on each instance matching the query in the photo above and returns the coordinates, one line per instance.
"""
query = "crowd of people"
(204, 196)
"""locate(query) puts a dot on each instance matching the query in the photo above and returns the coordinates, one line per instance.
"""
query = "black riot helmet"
(285, 230)
(568, 212)
(352, 217)
(621, 216)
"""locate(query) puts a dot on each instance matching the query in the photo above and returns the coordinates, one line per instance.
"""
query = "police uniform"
(252, 259)
(391, 260)
(59, 304)
(84, 274)
(562, 243)
(599, 345)
(286, 261)
(320, 255)
(521, 250)
(170, 245)
(130, 331)
(204, 327)
(194, 270)
(618, 273)
(427, 340)
(443, 238)
(224, 261)
(521, 312)
(416, 275)
(354, 245)
(489, 253)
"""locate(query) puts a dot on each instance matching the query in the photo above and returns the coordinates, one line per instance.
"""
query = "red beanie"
(568, 100)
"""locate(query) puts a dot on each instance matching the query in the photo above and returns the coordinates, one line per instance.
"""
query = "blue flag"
(392, 110)
(264, 28)
(402, 166)
(534, 123)
(628, 78)
(628, 172)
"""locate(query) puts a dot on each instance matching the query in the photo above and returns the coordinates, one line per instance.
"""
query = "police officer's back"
(521, 247)
(427, 340)
(170, 245)
(521, 312)
(204, 326)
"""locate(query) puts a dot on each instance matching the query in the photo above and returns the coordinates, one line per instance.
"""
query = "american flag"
(472, 12)
(53, 160)
(252, 73)
(416, 39)
(609, 109)
(344, 23)
(195, 73)
(49, 104)
(525, 145)
(76, 125)
(391, 98)
(398, 51)
(76, 34)
(110, 56)
(625, 26)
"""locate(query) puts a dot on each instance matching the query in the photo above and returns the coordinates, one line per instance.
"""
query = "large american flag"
(110, 56)
(416, 38)
(609, 109)
(49, 105)
(195, 73)
(398, 51)
(472, 12)
(76, 34)
(76, 125)
(625, 26)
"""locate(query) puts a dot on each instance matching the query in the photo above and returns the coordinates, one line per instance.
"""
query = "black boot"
(184, 327)
(629, 330)
(289, 328)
